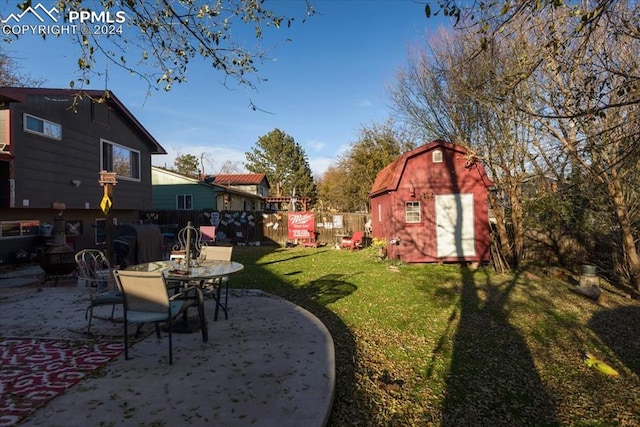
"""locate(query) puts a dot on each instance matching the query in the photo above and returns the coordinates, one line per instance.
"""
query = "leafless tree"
(568, 82)
(442, 92)
(584, 97)
(10, 74)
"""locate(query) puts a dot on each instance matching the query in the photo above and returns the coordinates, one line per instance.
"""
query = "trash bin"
(588, 270)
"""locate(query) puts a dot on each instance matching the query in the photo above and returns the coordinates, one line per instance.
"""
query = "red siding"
(415, 177)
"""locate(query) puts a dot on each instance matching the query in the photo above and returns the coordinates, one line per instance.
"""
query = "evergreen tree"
(187, 164)
(285, 164)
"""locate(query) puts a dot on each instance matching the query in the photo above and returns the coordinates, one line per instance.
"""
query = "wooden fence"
(250, 227)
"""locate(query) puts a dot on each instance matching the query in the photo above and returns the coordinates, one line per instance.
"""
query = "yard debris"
(394, 268)
(557, 273)
(593, 292)
(591, 361)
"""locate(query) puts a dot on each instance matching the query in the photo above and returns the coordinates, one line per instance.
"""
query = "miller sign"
(301, 225)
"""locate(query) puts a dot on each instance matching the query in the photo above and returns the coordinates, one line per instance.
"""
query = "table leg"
(218, 299)
(201, 315)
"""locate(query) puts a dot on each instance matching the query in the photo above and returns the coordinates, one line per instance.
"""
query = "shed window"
(42, 127)
(124, 161)
(184, 202)
(379, 212)
(436, 156)
(412, 212)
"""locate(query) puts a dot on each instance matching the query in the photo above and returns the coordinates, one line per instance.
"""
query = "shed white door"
(455, 235)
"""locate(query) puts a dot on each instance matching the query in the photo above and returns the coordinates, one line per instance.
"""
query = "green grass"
(443, 345)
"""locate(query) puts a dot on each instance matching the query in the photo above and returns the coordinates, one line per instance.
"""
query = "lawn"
(421, 345)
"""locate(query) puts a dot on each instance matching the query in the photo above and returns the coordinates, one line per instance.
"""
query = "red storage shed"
(431, 205)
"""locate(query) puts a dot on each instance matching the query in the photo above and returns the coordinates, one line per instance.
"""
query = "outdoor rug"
(35, 370)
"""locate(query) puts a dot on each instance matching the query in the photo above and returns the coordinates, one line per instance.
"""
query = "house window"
(184, 202)
(19, 228)
(412, 212)
(42, 127)
(124, 161)
(379, 212)
(5, 140)
(436, 156)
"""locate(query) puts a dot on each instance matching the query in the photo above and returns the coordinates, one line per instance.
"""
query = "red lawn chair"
(312, 241)
(355, 242)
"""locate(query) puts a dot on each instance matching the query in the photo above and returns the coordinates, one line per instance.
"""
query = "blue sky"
(321, 88)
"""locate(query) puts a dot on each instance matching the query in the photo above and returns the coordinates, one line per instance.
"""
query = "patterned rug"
(35, 370)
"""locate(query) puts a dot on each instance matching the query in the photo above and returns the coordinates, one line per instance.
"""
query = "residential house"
(174, 191)
(431, 205)
(254, 183)
(257, 183)
(54, 144)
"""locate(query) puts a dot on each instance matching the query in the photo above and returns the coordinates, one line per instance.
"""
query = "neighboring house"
(172, 190)
(254, 183)
(54, 145)
(257, 183)
(431, 206)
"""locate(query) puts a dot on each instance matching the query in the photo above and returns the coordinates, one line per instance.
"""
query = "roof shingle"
(239, 179)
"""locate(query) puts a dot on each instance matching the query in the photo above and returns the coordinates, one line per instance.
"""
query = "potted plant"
(379, 246)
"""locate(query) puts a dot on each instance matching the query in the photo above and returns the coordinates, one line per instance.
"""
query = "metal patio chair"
(219, 253)
(95, 271)
(146, 300)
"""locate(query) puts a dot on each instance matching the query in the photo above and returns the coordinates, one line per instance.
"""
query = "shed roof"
(388, 178)
(19, 94)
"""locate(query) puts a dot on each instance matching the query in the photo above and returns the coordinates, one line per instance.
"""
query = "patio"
(271, 363)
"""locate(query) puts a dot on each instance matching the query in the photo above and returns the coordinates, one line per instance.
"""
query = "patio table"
(196, 276)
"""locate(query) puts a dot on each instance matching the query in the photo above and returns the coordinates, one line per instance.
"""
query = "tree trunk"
(626, 231)
(517, 218)
(503, 235)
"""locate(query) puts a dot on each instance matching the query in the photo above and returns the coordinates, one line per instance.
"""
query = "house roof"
(20, 94)
(388, 178)
(239, 179)
(192, 180)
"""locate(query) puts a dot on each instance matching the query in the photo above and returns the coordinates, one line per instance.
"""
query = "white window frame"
(412, 208)
(184, 202)
(436, 156)
(109, 168)
(24, 226)
(50, 129)
(379, 212)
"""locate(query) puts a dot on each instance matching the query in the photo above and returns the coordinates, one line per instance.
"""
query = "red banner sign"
(302, 225)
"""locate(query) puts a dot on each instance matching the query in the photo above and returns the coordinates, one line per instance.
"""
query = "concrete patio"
(270, 364)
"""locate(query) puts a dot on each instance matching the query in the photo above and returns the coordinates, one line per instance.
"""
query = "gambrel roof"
(389, 177)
